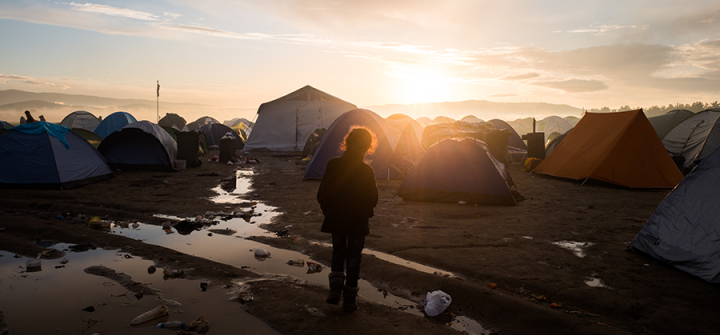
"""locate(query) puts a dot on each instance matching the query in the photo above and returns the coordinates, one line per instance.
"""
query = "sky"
(239, 54)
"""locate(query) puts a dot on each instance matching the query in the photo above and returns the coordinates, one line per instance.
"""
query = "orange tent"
(619, 148)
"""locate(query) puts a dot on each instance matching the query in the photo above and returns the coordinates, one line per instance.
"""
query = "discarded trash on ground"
(436, 302)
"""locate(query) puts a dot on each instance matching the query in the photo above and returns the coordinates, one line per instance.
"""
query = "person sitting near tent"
(29, 117)
(347, 195)
(42, 118)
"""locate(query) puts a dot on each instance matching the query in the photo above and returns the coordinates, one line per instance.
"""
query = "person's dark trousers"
(348, 249)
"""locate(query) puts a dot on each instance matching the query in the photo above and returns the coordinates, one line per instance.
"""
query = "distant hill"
(55, 106)
(482, 109)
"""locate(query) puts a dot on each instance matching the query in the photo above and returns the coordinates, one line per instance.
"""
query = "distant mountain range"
(482, 109)
(56, 106)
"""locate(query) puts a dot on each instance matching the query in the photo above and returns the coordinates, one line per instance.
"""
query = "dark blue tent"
(458, 170)
(140, 146)
(215, 131)
(5, 125)
(113, 122)
(329, 145)
(515, 140)
(684, 231)
(45, 155)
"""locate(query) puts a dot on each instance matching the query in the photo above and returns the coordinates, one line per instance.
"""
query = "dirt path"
(511, 247)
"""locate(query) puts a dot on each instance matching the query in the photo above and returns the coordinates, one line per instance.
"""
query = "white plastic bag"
(261, 253)
(436, 302)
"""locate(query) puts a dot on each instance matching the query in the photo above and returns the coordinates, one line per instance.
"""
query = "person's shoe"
(349, 296)
(337, 281)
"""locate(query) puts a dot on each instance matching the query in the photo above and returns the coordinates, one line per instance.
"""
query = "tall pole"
(158, 101)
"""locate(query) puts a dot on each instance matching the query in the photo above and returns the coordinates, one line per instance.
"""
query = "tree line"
(658, 110)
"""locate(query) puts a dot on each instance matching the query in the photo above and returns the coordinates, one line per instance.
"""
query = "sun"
(425, 86)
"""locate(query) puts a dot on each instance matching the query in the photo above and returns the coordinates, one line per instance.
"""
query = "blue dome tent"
(45, 155)
(112, 123)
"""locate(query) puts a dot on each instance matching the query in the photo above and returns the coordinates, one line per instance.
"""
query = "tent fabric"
(202, 121)
(89, 136)
(553, 124)
(471, 119)
(408, 150)
(80, 119)
(140, 145)
(40, 127)
(617, 148)
(5, 125)
(515, 140)
(455, 170)
(553, 144)
(215, 131)
(38, 159)
(695, 137)
(666, 122)
(398, 123)
(684, 231)
(172, 119)
(285, 124)
(329, 146)
(113, 122)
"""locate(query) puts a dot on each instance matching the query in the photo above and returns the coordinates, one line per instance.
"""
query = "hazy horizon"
(237, 55)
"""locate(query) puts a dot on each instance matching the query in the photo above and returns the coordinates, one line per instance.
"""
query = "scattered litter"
(282, 233)
(315, 312)
(173, 273)
(288, 226)
(151, 269)
(170, 324)
(203, 286)
(64, 261)
(200, 325)
(59, 266)
(89, 309)
(247, 298)
(33, 265)
(259, 252)
(492, 285)
(297, 262)
(314, 267)
(462, 202)
(150, 315)
(436, 302)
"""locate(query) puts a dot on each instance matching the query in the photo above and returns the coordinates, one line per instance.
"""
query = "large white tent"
(285, 124)
(695, 137)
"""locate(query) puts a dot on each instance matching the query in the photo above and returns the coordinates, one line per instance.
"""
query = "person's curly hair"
(359, 139)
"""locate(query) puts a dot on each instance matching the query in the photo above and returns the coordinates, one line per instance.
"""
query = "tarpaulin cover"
(458, 170)
(619, 148)
(684, 231)
(113, 122)
(41, 127)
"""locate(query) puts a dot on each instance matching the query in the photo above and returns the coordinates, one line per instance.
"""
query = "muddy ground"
(538, 287)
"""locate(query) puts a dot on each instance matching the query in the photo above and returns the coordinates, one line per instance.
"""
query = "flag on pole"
(158, 88)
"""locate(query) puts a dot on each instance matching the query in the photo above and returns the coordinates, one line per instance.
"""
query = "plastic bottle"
(170, 324)
(172, 273)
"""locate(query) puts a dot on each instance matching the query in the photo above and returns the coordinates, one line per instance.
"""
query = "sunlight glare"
(425, 86)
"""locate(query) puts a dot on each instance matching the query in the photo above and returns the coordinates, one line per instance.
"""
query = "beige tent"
(285, 124)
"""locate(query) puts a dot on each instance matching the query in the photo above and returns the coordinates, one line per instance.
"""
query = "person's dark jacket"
(347, 196)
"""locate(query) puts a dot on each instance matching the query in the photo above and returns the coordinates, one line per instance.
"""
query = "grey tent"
(172, 119)
(684, 231)
(666, 122)
(285, 123)
(694, 138)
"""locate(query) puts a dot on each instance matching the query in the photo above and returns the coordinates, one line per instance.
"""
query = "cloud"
(114, 11)
(602, 29)
(172, 15)
(521, 76)
(574, 85)
(503, 95)
(209, 31)
(30, 81)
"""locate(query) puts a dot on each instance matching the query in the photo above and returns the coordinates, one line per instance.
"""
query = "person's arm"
(326, 183)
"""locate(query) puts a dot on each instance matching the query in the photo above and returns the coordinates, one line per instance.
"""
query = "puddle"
(595, 282)
(52, 300)
(399, 261)
(578, 248)
(242, 185)
(468, 326)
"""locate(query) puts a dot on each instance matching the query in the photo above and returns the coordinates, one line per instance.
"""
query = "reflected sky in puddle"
(595, 282)
(242, 187)
(468, 326)
(56, 297)
(578, 248)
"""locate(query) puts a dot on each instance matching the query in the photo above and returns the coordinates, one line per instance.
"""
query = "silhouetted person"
(42, 118)
(347, 196)
(22, 120)
(29, 117)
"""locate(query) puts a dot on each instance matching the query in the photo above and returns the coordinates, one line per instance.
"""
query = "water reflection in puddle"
(595, 282)
(578, 248)
(468, 326)
(52, 300)
(241, 187)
